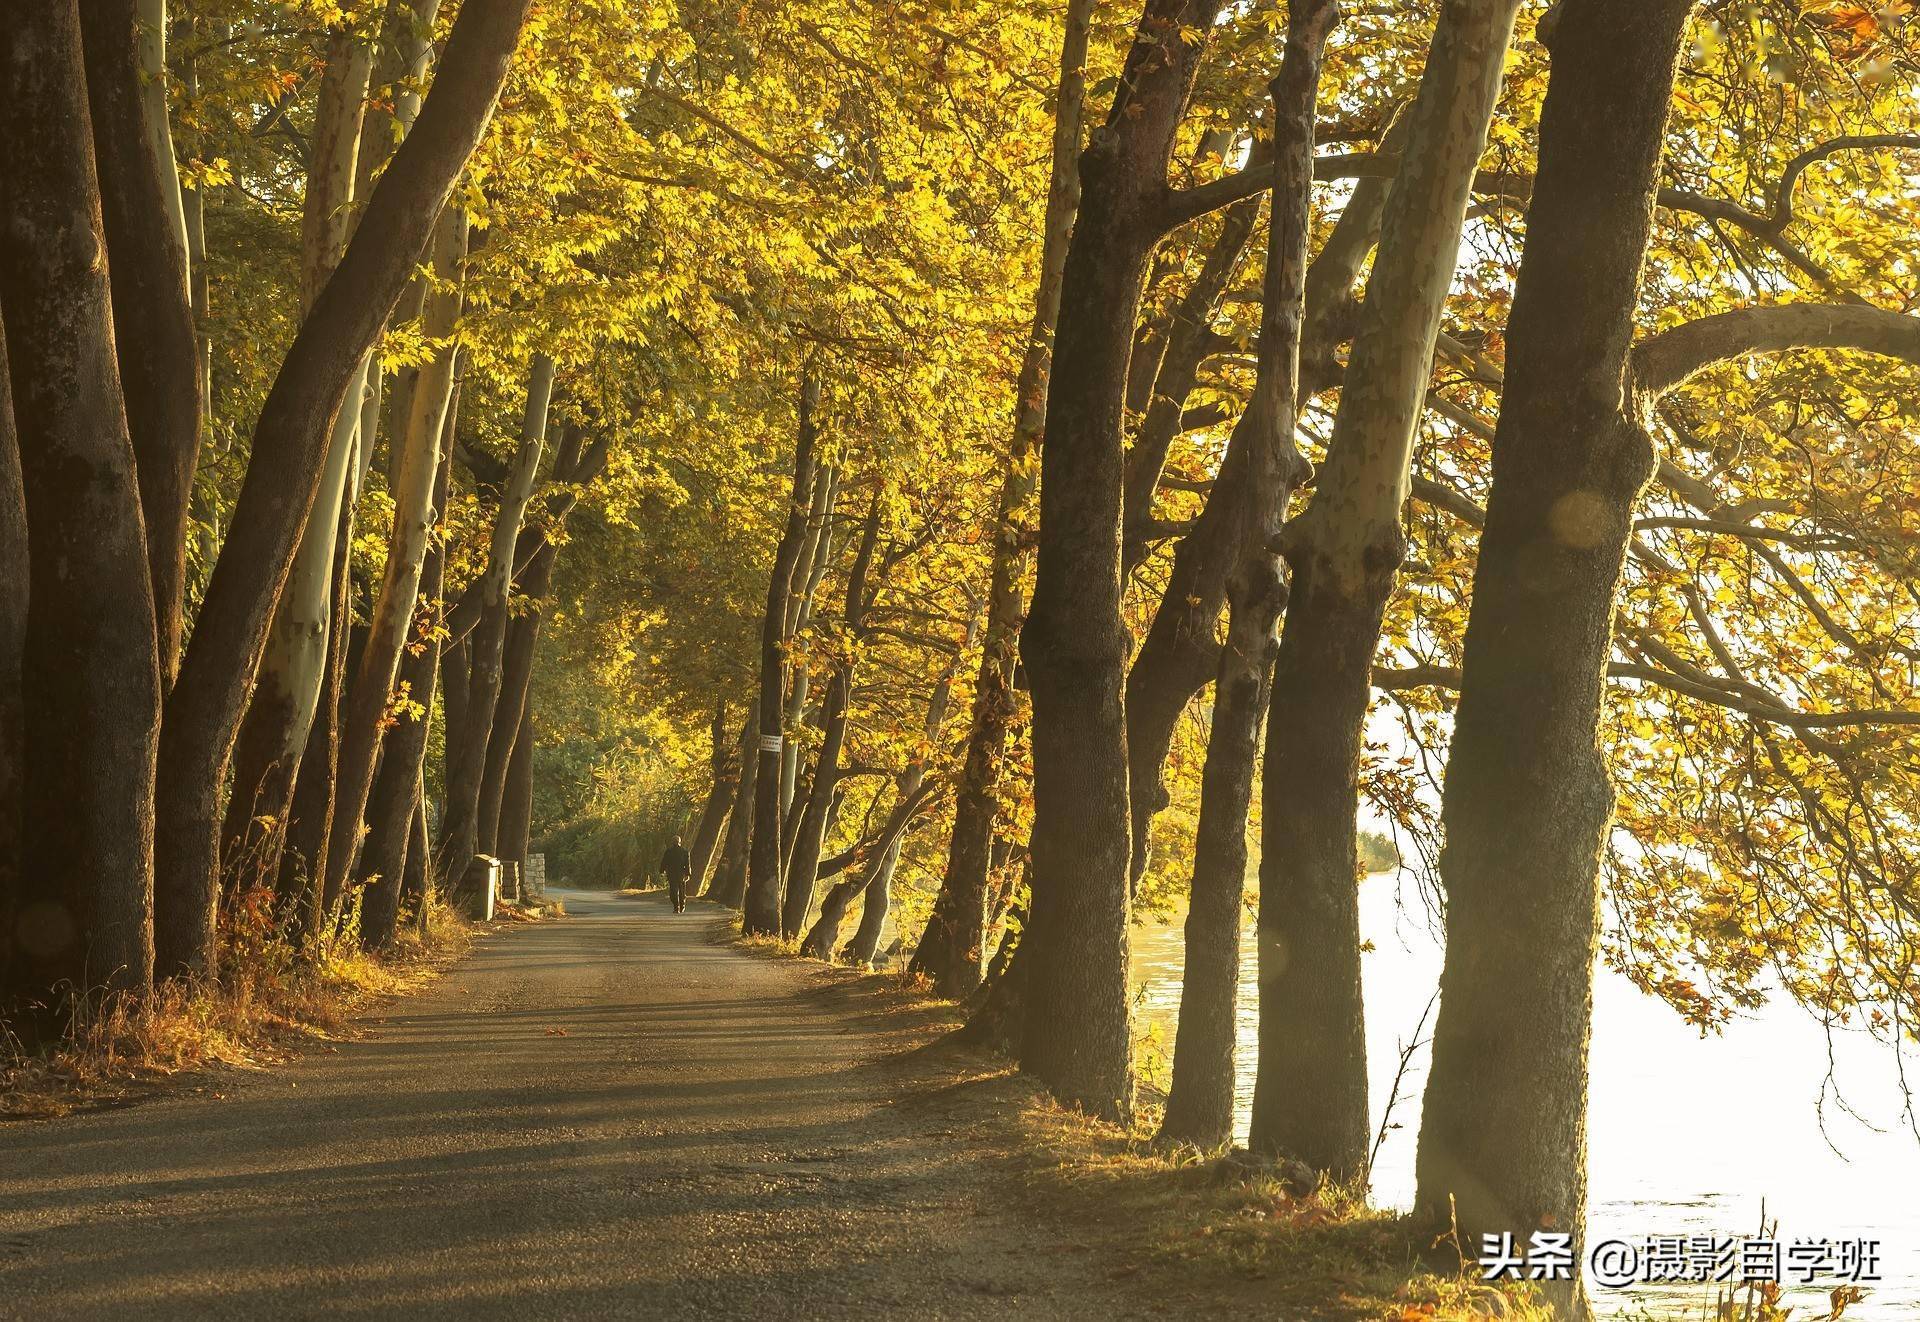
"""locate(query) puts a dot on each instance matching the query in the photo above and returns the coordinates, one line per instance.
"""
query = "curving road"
(613, 1115)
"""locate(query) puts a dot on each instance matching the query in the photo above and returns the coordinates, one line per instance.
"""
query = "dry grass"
(271, 1000)
(1187, 1227)
(1205, 1222)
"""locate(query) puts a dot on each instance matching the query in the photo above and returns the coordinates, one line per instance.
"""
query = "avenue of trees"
(980, 474)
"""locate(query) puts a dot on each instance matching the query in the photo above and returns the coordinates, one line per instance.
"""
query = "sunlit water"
(1686, 1136)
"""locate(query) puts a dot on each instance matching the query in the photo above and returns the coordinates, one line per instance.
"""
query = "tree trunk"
(816, 552)
(1179, 656)
(146, 254)
(89, 665)
(416, 472)
(729, 886)
(270, 750)
(573, 469)
(283, 476)
(823, 938)
(726, 775)
(417, 884)
(1200, 1104)
(467, 744)
(1527, 802)
(762, 914)
(1074, 644)
(301, 886)
(13, 635)
(1310, 1092)
(950, 950)
(389, 849)
(1190, 340)
(810, 835)
(516, 800)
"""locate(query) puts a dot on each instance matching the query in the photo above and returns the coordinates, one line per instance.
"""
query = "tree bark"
(823, 938)
(762, 913)
(726, 775)
(146, 253)
(876, 899)
(1179, 655)
(729, 885)
(1074, 644)
(1190, 341)
(816, 552)
(950, 950)
(1200, 1104)
(467, 745)
(390, 850)
(1310, 1091)
(416, 472)
(283, 476)
(810, 835)
(89, 664)
(516, 798)
(1527, 801)
(269, 752)
(13, 636)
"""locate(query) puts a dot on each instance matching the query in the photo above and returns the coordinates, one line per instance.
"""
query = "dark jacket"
(674, 864)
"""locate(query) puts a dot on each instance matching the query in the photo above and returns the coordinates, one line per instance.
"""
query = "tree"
(284, 473)
(467, 746)
(1503, 1135)
(89, 659)
(1073, 643)
(762, 914)
(1200, 1102)
(951, 950)
(1342, 553)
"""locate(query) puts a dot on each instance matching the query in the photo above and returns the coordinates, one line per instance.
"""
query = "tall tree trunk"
(816, 552)
(1527, 801)
(466, 754)
(416, 472)
(572, 468)
(762, 913)
(389, 849)
(13, 636)
(1179, 656)
(301, 887)
(726, 775)
(1310, 1092)
(729, 885)
(89, 664)
(950, 950)
(810, 835)
(417, 884)
(284, 474)
(1200, 1104)
(516, 798)
(270, 750)
(516, 679)
(1074, 643)
(146, 253)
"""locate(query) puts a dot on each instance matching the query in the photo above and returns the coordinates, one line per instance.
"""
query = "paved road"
(714, 1135)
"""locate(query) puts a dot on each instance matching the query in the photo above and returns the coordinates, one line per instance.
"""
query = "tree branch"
(1670, 359)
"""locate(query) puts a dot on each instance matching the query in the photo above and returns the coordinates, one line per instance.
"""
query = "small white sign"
(769, 743)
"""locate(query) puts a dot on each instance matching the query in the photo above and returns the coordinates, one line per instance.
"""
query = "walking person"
(676, 865)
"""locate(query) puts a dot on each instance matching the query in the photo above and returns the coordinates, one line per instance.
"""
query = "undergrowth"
(1323, 1254)
(270, 997)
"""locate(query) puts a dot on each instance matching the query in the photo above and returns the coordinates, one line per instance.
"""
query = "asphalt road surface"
(611, 1115)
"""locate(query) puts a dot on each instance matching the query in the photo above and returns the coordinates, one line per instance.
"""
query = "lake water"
(1686, 1136)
